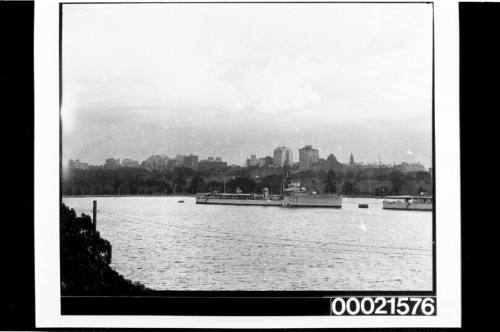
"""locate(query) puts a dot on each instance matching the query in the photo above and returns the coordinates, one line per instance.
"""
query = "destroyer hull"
(329, 202)
(256, 202)
(313, 201)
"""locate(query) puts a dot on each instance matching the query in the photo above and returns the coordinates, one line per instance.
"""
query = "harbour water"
(167, 245)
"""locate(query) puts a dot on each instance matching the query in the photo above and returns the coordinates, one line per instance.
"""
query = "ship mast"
(286, 176)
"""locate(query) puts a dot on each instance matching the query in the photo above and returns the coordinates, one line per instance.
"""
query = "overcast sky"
(232, 80)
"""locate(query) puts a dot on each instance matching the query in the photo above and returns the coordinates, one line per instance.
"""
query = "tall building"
(308, 156)
(351, 160)
(252, 161)
(190, 161)
(282, 155)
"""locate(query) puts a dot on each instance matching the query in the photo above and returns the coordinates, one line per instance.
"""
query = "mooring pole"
(94, 216)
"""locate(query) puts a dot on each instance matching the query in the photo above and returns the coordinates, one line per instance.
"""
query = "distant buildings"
(211, 164)
(308, 156)
(282, 155)
(171, 163)
(252, 161)
(308, 160)
(266, 161)
(126, 162)
(164, 162)
(333, 164)
(406, 168)
(155, 162)
(77, 164)
(112, 163)
(190, 161)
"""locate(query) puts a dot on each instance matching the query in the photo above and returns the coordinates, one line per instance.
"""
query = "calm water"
(172, 246)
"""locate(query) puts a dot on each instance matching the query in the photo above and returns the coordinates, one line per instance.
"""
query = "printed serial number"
(401, 306)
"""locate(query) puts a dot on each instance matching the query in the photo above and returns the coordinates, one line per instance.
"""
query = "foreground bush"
(85, 259)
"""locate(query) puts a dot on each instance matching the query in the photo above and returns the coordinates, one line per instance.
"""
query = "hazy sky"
(232, 80)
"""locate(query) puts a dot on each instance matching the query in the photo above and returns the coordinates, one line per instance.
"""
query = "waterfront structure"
(129, 163)
(77, 164)
(308, 156)
(283, 155)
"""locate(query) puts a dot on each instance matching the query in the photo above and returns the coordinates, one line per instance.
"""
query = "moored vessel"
(418, 203)
(292, 195)
(239, 198)
(295, 195)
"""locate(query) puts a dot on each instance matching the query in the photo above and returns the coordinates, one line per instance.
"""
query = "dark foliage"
(398, 180)
(245, 184)
(331, 184)
(183, 180)
(85, 259)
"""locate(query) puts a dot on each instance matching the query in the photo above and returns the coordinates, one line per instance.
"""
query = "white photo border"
(447, 190)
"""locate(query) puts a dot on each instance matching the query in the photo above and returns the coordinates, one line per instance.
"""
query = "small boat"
(181, 201)
(363, 206)
(417, 203)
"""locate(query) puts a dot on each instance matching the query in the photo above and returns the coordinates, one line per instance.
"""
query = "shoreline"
(191, 195)
(158, 195)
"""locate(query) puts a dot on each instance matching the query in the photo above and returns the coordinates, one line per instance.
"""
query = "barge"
(417, 203)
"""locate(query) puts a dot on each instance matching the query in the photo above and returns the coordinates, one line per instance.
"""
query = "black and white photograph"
(291, 151)
(248, 149)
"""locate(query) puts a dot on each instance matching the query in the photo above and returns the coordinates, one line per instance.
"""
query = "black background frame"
(229, 303)
(479, 56)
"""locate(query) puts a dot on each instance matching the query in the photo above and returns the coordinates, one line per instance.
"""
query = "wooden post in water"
(94, 216)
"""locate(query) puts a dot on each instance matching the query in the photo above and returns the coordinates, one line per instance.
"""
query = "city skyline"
(318, 77)
(350, 157)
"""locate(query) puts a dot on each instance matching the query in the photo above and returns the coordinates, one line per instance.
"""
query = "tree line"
(139, 181)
